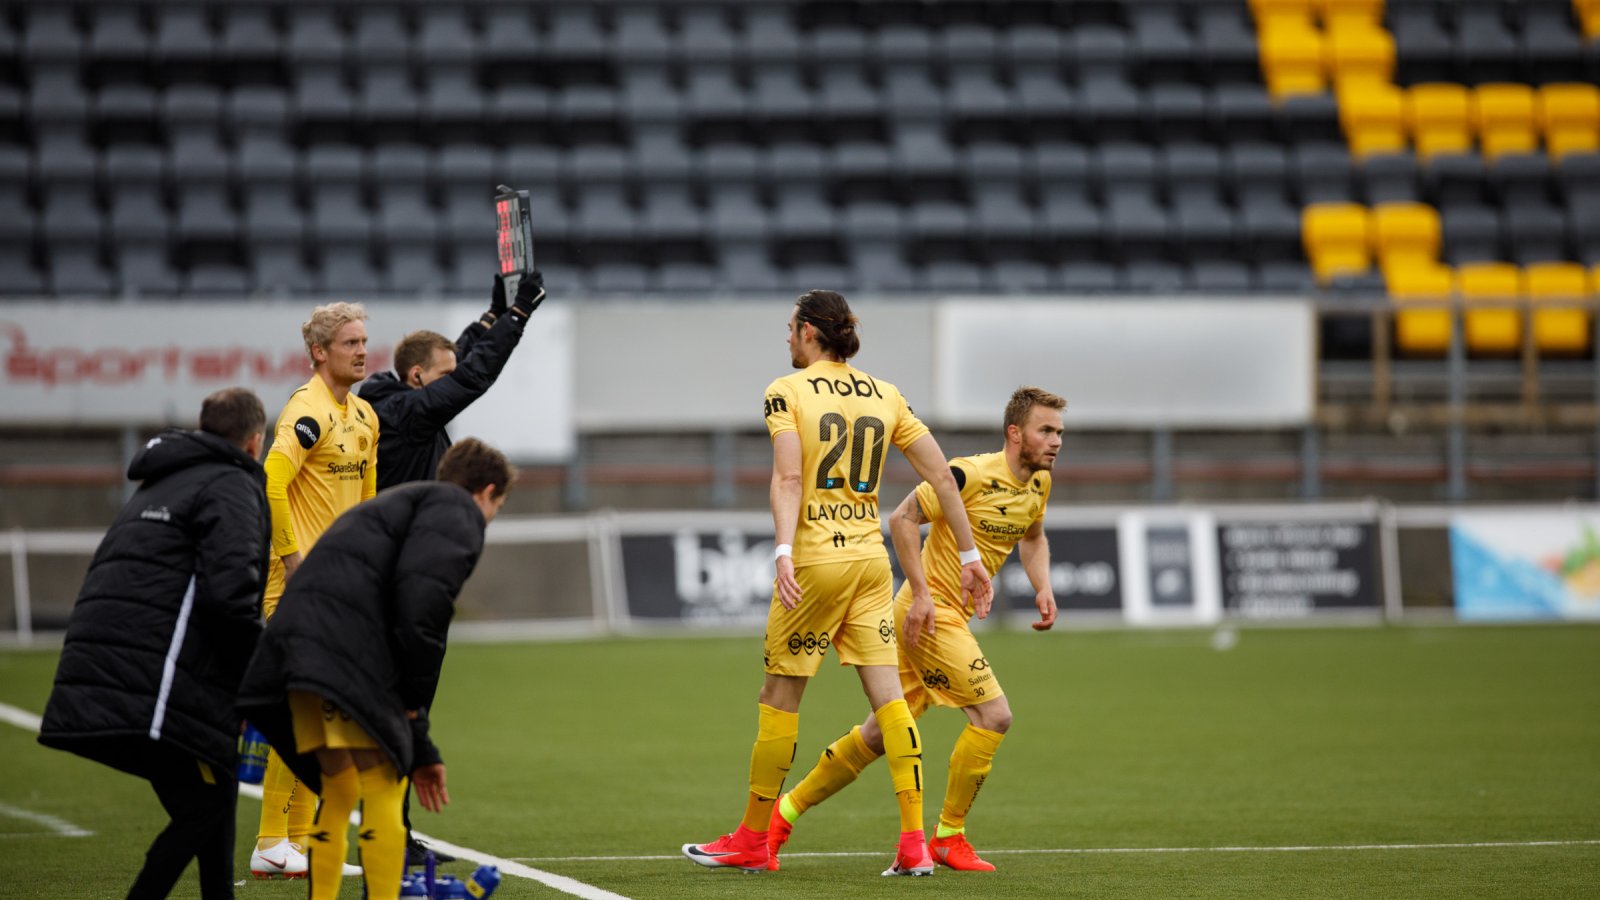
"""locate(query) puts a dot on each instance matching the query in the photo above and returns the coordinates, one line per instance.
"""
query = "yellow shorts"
(847, 606)
(946, 668)
(319, 723)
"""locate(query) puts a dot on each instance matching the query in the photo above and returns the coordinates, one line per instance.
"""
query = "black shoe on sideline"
(416, 854)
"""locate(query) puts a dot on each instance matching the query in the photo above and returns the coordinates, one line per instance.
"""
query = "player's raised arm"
(926, 457)
(1034, 552)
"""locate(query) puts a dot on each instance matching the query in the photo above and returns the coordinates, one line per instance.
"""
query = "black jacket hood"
(176, 449)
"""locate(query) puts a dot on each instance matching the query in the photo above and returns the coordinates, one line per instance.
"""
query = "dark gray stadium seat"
(57, 97)
(472, 267)
(977, 98)
(1021, 276)
(379, 34)
(1390, 177)
(922, 153)
(1137, 227)
(903, 42)
(347, 271)
(706, 35)
(641, 35)
(338, 219)
(49, 35)
(778, 96)
(465, 167)
(314, 38)
(1549, 42)
(1152, 277)
(1050, 106)
(125, 112)
(574, 33)
(816, 274)
(1061, 166)
(386, 95)
(1424, 51)
(204, 215)
(586, 104)
(1088, 278)
(686, 278)
(594, 164)
(714, 93)
(951, 276)
(1100, 53)
(669, 214)
(1324, 172)
(1178, 112)
(1520, 178)
(1219, 276)
(265, 157)
(1112, 110)
(1536, 231)
(118, 42)
(1471, 233)
(272, 215)
(1255, 169)
(18, 274)
(1126, 169)
(728, 163)
(185, 105)
(465, 218)
(864, 221)
(1456, 178)
(1583, 223)
(880, 267)
(251, 44)
(413, 271)
(968, 43)
(1309, 117)
(770, 32)
(76, 271)
(16, 212)
(1033, 47)
(197, 155)
(604, 215)
(278, 269)
(255, 108)
(828, 45)
(659, 156)
(1486, 50)
(405, 217)
(801, 212)
(854, 165)
(321, 95)
(549, 213)
(620, 278)
(745, 267)
(1003, 216)
(1269, 228)
(992, 161)
(508, 35)
(1163, 42)
(1578, 179)
(845, 96)
(1227, 42)
(514, 108)
(444, 37)
(1284, 277)
(398, 164)
(1242, 112)
(216, 279)
(1071, 226)
(137, 212)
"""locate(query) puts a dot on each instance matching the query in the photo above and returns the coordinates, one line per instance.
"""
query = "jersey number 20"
(866, 445)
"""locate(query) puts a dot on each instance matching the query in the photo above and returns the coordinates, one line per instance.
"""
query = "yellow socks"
(902, 744)
(770, 760)
(329, 841)
(383, 831)
(277, 786)
(970, 763)
(302, 810)
(838, 766)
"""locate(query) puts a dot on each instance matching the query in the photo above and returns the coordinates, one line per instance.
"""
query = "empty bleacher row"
(237, 147)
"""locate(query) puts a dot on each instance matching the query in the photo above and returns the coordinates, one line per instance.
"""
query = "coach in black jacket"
(361, 628)
(434, 380)
(167, 617)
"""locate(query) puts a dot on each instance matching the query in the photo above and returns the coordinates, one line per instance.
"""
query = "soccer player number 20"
(837, 429)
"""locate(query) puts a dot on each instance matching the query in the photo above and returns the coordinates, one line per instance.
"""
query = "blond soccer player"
(831, 426)
(1004, 495)
(323, 461)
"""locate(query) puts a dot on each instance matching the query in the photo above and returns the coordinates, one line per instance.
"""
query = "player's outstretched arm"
(926, 457)
(905, 528)
(1034, 552)
(785, 498)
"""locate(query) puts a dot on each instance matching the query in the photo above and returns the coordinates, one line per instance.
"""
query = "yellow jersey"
(846, 420)
(1000, 508)
(332, 452)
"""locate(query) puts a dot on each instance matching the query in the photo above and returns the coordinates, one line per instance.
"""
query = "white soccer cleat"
(351, 870)
(281, 860)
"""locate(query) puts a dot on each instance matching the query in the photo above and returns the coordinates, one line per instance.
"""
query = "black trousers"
(202, 828)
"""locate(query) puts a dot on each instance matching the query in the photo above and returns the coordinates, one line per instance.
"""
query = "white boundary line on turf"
(30, 722)
(61, 827)
(1089, 850)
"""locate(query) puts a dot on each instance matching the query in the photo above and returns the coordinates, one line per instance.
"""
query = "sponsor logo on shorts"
(979, 664)
(811, 642)
(935, 678)
(886, 631)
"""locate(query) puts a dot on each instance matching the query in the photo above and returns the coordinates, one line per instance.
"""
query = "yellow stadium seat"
(1491, 329)
(1405, 234)
(1569, 117)
(1292, 59)
(1588, 17)
(1277, 13)
(1425, 330)
(1373, 117)
(1359, 50)
(1559, 330)
(1336, 238)
(1438, 117)
(1502, 114)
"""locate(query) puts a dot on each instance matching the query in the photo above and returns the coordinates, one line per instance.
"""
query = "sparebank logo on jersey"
(351, 471)
(846, 387)
(307, 431)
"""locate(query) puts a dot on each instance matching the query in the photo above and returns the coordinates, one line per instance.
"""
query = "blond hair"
(325, 321)
(1024, 399)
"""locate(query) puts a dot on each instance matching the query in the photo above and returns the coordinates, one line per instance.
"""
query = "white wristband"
(782, 550)
(968, 557)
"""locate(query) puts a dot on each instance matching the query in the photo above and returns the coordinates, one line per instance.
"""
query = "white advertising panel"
(152, 364)
(1528, 564)
(1130, 363)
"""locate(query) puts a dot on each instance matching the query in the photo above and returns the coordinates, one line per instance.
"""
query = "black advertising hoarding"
(1084, 572)
(1293, 569)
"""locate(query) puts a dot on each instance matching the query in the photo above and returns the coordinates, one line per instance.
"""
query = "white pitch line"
(1090, 850)
(60, 826)
(30, 722)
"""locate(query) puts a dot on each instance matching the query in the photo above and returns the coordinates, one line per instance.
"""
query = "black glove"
(530, 293)
(497, 300)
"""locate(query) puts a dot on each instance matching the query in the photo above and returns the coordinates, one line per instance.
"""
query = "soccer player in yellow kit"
(1004, 495)
(324, 460)
(831, 425)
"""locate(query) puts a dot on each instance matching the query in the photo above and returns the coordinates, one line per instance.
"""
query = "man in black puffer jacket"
(434, 380)
(343, 678)
(167, 617)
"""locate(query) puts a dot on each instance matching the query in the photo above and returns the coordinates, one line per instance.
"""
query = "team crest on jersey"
(361, 443)
(307, 431)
